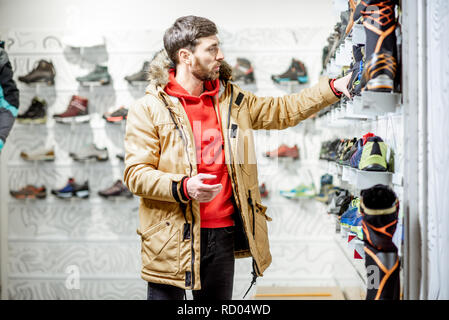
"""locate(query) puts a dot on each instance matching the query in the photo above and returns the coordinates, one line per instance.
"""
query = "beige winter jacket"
(160, 152)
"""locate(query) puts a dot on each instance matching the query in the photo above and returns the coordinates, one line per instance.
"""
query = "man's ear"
(185, 56)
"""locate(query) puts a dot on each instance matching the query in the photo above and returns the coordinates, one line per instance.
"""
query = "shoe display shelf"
(360, 179)
(358, 34)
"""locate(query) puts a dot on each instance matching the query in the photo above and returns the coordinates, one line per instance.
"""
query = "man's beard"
(202, 73)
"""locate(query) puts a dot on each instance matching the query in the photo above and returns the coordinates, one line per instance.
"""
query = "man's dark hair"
(185, 33)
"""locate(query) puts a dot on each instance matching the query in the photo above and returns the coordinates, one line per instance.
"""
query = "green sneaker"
(100, 75)
(301, 191)
(374, 155)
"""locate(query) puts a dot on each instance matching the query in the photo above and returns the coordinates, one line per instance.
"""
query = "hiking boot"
(140, 76)
(346, 153)
(380, 72)
(284, 152)
(120, 156)
(116, 116)
(379, 20)
(118, 189)
(40, 154)
(243, 71)
(76, 111)
(72, 189)
(99, 75)
(374, 155)
(379, 207)
(295, 72)
(90, 152)
(36, 113)
(30, 192)
(43, 72)
(356, 84)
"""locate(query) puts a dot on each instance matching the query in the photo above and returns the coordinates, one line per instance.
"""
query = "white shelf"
(358, 178)
(376, 103)
(358, 34)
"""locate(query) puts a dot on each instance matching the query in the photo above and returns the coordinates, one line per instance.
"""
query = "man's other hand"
(200, 191)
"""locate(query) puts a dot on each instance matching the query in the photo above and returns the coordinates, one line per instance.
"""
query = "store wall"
(98, 237)
(438, 151)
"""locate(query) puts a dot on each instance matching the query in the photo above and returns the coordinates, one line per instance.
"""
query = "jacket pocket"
(261, 209)
(160, 248)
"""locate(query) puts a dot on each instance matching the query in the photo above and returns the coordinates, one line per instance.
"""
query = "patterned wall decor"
(99, 237)
(438, 156)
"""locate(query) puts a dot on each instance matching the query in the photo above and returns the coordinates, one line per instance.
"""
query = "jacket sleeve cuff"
(326, 91)
(337, 93)
(179, 190)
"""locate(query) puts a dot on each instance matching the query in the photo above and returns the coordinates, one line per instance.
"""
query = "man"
(9, 96)
(200, 204)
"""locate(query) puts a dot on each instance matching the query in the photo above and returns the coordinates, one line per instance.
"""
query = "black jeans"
(216, 269)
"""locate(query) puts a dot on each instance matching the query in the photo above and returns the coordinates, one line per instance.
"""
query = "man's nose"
(220, 55)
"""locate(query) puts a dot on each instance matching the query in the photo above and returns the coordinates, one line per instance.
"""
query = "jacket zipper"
(193, 218)
(184, 139)
(255, 267)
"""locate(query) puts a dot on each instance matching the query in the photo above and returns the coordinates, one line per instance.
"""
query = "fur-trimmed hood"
(160, 65)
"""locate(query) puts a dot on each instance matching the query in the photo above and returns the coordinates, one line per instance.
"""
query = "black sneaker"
(140, 76)
(36, 113)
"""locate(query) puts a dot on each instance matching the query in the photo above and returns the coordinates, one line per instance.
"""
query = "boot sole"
(90, 158)
(49, 82)
(40, 159)
(95, 83)
(77, 119)
(375, 167)
(32, 121)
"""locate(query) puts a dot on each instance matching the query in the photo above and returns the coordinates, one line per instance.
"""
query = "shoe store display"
(243, 71)
(116, 116)
(72, 190)
(117, 190)
(139, 76)
(75, 112)
(39, 154)
(295, 72)
(284, 151)
(379, 207)
(89, 152)
(30, 192)
(36, 112)
(43, 72)
(99, 76)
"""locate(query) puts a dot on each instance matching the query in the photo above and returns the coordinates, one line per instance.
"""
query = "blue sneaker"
(72, 189)
(355, 158)
(350, 215)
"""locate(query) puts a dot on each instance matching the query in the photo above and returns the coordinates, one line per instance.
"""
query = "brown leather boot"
(43, 72)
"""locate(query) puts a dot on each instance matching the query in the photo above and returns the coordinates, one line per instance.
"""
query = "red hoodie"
(209, 149)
